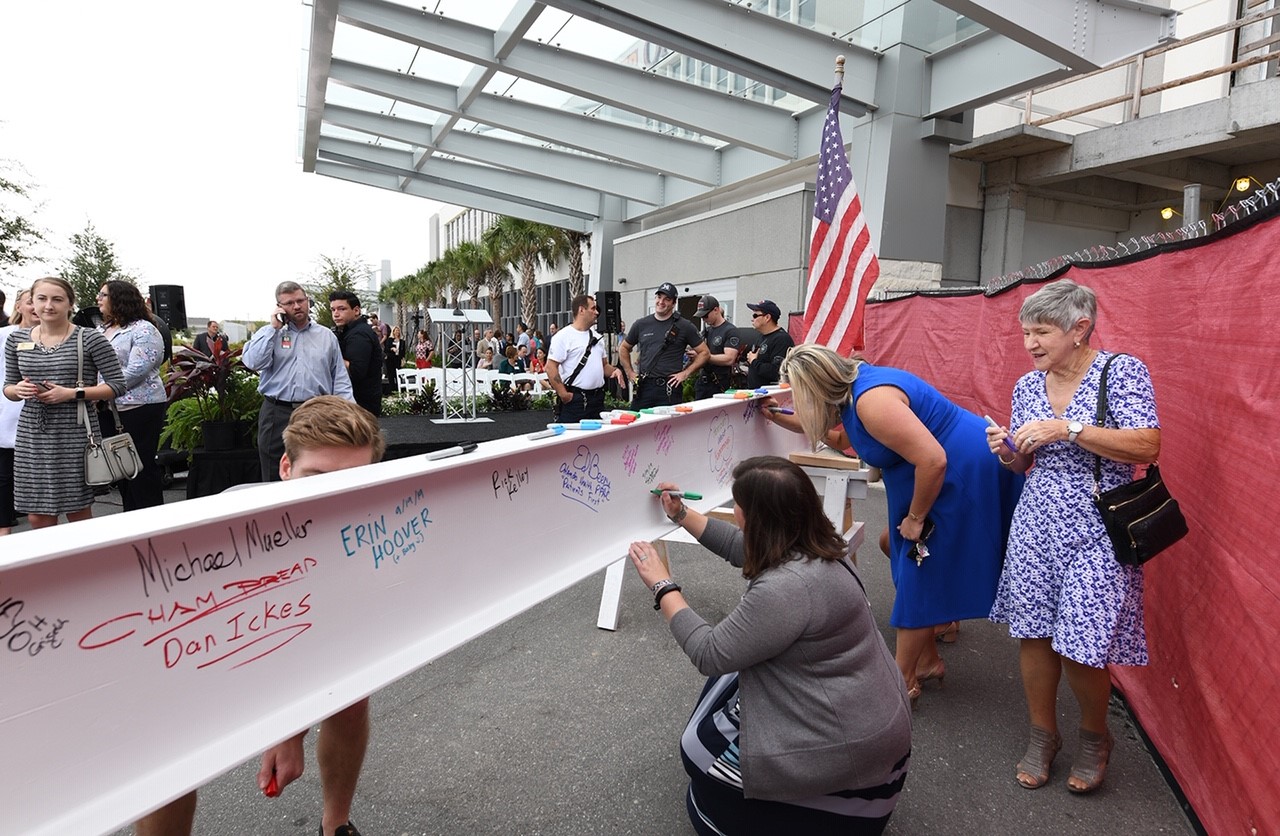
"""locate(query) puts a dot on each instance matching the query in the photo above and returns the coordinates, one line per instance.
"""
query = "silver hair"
(1062, 303)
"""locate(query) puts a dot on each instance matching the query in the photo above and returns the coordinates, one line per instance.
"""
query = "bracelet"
(671, 586)
(1008, 463)
(659, 584)
(915, 517)
(679, 515)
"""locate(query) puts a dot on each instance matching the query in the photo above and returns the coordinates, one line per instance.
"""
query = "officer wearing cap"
(722, 346)
(765, 357)
(662, 338)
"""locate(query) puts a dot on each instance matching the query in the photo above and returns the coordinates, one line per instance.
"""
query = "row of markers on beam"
(622, 417)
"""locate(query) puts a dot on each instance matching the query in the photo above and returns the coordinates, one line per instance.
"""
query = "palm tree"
(496, 273)
(567, 245)
(525, 244)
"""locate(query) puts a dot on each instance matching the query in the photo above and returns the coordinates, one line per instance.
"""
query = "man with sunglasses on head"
(765, 356)
(662, 337)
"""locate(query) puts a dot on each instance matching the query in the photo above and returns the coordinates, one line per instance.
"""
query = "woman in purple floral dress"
(1062, 593)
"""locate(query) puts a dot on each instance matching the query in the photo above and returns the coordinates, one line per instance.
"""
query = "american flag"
(842, 265)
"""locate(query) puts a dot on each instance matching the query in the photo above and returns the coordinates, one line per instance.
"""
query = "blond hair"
(821, 384)
(331, 421)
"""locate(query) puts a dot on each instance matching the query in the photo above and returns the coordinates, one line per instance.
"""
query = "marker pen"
(781, 410)
(681, 494)
(273, 788)
(581, 425)
(550, 432)
(449, 452)
(1008, 442)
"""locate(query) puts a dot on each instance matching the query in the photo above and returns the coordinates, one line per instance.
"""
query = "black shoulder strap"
(671, 335)
(582, 363)
(1101, 419)
(854, 575)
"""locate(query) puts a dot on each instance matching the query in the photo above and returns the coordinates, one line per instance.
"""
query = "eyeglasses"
(102, 295)
(758, 314)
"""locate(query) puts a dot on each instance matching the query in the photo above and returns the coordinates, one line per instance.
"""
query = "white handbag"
(111, 460)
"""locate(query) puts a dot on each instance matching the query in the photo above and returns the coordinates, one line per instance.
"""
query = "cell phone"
(1008, 442)
(280, 317)
(42, 385)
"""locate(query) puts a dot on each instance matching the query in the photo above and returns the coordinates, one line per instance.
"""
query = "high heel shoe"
(1090, 766)
(938, 672)
(1033, 769)
(949, 633)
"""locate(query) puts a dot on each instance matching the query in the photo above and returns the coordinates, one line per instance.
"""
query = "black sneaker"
(347, 829)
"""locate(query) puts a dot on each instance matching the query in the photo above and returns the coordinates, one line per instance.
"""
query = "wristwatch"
(1074, 429)
(79, 394)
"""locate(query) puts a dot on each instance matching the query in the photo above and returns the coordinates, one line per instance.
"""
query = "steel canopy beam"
(529, 188)
(1082, 34)
(751, 124)
(458, 194)
(759, 46)
(677, 157)
(982, 69)
(324, 20)
(600, 175)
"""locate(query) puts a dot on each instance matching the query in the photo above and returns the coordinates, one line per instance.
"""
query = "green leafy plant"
(508, 399)
(185, 418)
(424, 402)
(210, 379)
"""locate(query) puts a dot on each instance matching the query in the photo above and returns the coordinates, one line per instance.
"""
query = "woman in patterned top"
(140, 349)
(1062, 593)
(40, 369)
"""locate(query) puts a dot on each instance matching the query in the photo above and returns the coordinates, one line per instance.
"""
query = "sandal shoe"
(1033, 769)
(913, 694)
(938, 672)
(1091, 762)
(948, 634)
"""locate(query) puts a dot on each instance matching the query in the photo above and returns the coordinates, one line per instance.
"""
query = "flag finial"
(839, 70)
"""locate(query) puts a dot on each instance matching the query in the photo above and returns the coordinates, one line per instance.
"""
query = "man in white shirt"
(577, 366)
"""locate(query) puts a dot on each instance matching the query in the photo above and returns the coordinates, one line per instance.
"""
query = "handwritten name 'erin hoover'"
(169, 573)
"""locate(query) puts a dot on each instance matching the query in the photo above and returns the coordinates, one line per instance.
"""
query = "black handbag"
(1142, 518)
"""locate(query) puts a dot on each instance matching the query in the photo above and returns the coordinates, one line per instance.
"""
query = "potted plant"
(214, 395)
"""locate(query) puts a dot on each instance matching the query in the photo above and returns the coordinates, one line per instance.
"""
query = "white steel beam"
(324, 19)
(151, 631)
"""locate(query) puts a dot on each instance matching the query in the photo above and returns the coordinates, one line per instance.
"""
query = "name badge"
(286, 341)
(26, 346)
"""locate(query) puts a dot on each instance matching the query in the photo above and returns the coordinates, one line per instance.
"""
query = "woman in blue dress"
(1062, 593)
(940, 481)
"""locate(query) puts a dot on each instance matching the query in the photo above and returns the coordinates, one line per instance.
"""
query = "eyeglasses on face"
(758, 314)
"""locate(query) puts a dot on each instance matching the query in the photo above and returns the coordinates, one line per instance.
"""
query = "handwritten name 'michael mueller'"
(169, 572)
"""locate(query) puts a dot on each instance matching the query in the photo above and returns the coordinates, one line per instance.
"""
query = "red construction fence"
(1205, 317)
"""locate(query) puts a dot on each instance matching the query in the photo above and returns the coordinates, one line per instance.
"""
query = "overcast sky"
(173, 127)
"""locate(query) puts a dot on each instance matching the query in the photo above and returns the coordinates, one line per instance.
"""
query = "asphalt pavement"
(549, 725)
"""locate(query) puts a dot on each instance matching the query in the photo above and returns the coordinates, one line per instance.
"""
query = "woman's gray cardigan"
(824, 707)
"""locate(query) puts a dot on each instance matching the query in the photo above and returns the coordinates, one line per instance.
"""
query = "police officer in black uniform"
(662, 338)
(722, 345)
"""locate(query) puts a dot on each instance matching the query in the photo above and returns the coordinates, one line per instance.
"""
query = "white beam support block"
(145, 653)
